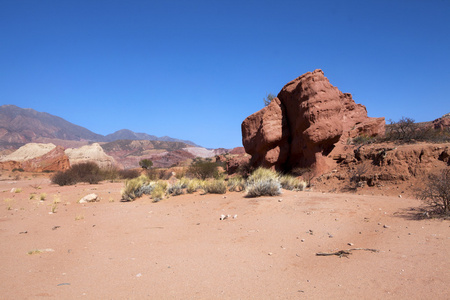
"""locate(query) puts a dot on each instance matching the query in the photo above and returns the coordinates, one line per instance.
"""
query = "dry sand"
(180, 249)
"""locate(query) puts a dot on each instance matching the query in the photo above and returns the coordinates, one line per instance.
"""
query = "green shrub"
(289, 182)
(146, 163)
(216, 186)
(263, 182)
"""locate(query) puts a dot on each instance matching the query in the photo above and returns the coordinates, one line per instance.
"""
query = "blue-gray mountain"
(19, 126)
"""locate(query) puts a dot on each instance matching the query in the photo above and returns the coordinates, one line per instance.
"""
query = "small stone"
(399, 196)
(302, 240)
(270, 253)
(235, 217)
(89, 198)
(350, 244)
(385, 226)
(279, 200)
(139, 275)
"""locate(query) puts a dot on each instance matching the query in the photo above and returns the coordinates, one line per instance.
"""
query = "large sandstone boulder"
(307, 121)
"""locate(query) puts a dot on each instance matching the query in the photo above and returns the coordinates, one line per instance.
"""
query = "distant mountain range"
(19, 126)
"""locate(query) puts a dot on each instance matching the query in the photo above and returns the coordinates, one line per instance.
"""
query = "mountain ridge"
(24, 125)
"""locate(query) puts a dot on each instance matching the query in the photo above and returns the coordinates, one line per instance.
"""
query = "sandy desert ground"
(180, 249)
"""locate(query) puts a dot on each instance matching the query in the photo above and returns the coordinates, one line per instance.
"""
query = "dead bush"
(437, 192)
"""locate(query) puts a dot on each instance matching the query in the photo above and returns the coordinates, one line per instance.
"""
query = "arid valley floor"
(179, 248)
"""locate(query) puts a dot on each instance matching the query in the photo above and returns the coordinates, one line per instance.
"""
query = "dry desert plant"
(8, 202)
(437, 192)
(216, 186)
(289, 182)
(236, 184)
(263, 182)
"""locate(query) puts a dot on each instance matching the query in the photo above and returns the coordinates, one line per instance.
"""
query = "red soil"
(178, 248)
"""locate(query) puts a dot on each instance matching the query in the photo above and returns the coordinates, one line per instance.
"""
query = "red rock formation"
(304, 124)
(54, 160)
(442, 123)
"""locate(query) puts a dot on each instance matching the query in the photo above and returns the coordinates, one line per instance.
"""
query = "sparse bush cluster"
(406, 130)
(90, 172)
(262, 182)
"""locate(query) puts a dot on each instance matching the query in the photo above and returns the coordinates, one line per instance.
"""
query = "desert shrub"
(203, 169)
(146, 188)
(263, 182)
(268, 99)
(83, 172)
(158, 192)
(362, 140)
(129, 174)
(133, 188)
(184, 181)
(357, 176)
(236, 184)
(437, 192)
(216, 186)
(289, 182)
(110, 173)
(153, 174)
(64, 178)
(146, 163)
(194, 185)
(176, 189)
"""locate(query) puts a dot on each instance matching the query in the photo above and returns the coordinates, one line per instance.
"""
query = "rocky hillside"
(19, 126)
(128, 153)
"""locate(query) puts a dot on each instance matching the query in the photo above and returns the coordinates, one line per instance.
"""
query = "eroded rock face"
(307, 121)
(53, 160)
(265, 135)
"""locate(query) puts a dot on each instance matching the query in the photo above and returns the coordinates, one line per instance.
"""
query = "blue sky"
(196, 69)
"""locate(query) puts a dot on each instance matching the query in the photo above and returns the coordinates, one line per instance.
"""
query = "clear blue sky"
(196, 69)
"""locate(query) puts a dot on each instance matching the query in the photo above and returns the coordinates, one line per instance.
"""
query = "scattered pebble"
(279, 200)
(385, 226)
(302, 240)
(270, 253)
(350, 244)
(139, 275)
